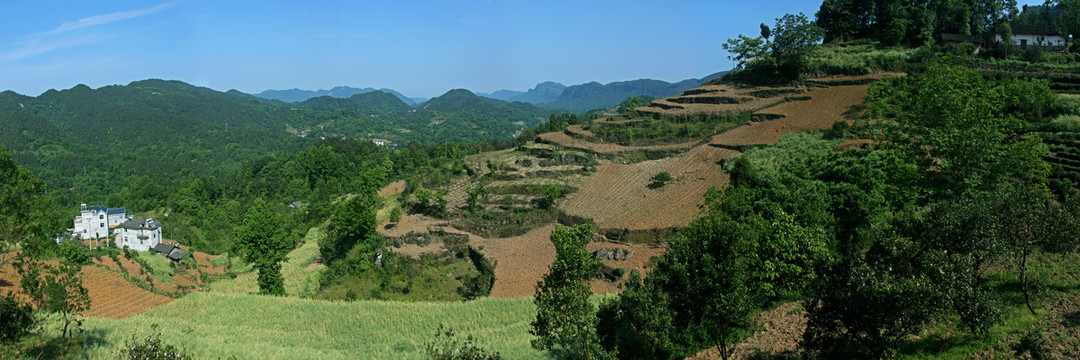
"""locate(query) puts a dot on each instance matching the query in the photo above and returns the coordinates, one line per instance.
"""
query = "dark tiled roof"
(96, 208)
(117, 211)
(176, 254)
(1034, 30)
(163, 248)
(141, 224)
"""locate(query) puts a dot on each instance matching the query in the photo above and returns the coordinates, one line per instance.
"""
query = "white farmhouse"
(98, 222)
(138, 234)
(1025, 37)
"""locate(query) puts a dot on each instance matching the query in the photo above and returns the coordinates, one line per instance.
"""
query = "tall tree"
(565, 319)
(262, 240)
(19, 198)
(352, 223)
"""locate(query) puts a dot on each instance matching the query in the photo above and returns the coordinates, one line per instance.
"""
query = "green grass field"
(300, 271)
(214, 325)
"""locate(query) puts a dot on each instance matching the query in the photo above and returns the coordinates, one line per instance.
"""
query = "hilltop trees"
(261, 240)
(794, 37)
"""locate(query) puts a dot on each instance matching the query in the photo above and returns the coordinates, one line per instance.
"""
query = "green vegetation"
(446, 346)
(16, 319)
(262, 242)
(565, 318)
(56, 289)
(251, 326)
(151, 348)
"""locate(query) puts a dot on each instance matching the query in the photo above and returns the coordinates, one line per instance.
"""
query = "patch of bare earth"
(781, 330)
(393, 188)
(825, 107)
(618, 195)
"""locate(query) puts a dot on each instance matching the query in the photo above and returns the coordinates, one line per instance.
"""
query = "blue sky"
(421, 48)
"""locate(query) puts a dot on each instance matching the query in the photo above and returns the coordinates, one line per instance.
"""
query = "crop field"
(113, 297)
(825, 107)
(618, 195)
(720, 99)
(260, 327)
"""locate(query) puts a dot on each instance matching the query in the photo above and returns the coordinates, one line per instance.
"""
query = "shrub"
(446, 346)
(663, 176)
(151, 348)
(395, 214)
(73, 253)
(16, 318)
(1070, 123)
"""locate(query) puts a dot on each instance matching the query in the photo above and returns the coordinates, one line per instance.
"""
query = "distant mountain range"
(594, 95)
(341, 92)
(551, 95)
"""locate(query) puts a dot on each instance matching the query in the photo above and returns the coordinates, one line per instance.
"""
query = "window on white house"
(102, 225)
(101, 216)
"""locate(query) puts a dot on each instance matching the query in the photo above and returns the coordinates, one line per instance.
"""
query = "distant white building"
(138, 234)
(97, 222)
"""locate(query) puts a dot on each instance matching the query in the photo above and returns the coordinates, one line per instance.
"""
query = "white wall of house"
(95, 221)
(141, 240)
(92, 224)
(1030, 40)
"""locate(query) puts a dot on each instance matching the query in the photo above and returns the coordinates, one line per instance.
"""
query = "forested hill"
(87, 144)
(375, 102)
(595, 95)
(87, 141)
(341, 92)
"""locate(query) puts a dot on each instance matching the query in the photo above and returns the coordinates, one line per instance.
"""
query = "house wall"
(116, 219)
(92, 225)
(1054, 41)
(130, 238)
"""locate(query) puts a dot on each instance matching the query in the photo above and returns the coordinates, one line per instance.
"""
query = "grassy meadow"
(300, 270)
(215, 325)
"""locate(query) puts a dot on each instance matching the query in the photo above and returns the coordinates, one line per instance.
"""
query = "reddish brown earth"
(825, 107)
(111, 296)
(618, 195)
(393, 188)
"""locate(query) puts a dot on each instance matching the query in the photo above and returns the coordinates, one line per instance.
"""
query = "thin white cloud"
(108, 18)
(57, 39)
(36, 46)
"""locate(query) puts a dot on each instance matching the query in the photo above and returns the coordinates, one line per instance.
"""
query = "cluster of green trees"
(879, 244)
(783, 58)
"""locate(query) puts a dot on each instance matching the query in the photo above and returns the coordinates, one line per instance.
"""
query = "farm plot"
(825, 107)
(618, 195)
(113, 297)
(720, 100)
